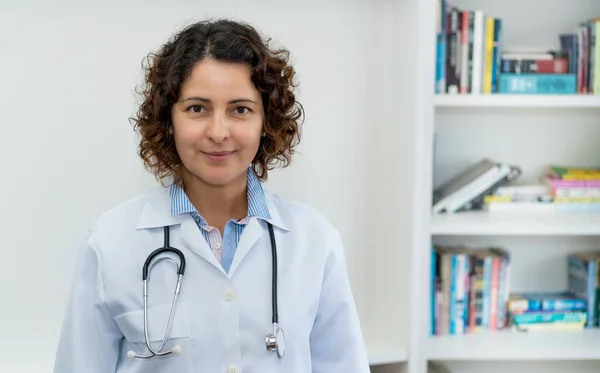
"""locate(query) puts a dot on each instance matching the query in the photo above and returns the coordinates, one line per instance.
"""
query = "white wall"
(68, 77)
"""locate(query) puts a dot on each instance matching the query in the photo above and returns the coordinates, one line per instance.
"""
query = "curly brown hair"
(227, 41)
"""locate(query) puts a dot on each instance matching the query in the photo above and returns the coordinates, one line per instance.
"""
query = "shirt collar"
(257, 206)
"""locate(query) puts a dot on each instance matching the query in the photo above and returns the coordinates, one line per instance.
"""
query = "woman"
(218, 112)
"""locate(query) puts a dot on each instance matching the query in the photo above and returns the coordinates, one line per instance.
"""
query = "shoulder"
(121, 219)
(302, 218)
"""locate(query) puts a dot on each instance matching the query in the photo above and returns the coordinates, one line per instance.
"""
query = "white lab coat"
(221, 320)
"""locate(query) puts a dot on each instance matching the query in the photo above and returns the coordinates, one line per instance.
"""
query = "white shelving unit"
(500, 223)
(516, 346)
(517, 101)
(452, 132)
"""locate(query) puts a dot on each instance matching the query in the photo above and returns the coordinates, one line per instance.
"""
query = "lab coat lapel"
(192, 238)
(252, 233)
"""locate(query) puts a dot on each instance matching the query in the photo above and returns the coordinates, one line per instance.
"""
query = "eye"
(197, 109)
(241, 110)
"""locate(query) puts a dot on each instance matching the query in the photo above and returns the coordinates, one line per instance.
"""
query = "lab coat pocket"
(131, 325)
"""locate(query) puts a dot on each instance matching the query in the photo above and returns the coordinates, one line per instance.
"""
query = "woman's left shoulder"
(297, 215)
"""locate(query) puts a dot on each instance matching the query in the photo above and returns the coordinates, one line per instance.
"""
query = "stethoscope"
(275, 341)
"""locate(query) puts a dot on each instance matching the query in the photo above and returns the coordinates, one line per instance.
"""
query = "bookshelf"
(482, 223)
(517, 101)
(529, 130)
(503, 345)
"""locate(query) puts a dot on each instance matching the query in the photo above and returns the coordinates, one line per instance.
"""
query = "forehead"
(214, 79)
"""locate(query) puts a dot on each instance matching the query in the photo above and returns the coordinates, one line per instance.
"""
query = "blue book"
(496, 53)
(550, 317)
(538, 83)
(440, 66)
(582, 269)
(546, 302)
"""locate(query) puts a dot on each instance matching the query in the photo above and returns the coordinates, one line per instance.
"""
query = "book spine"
(489, 55)
(433, 290)
(464, 52)
(580, 60)
(480, 283)
(446, 282)
(506, 293)
(501, 291)
(582, 282)
(441, 47)
(470, 52)
(453, 288)
(568, 45)
(553, 305)
(487, 280)
(596, 87)
(538, 83)
(478, 37)
(472, 310)
(496, 54)
(591, 57)
(576, 192)
(465, 300)
(528, 66)
(549, 317)
(494, 293)
(453, 78)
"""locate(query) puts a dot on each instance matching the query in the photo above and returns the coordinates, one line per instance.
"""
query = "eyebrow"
(203, 99)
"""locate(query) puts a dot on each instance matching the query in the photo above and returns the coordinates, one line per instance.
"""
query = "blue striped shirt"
(223, 246)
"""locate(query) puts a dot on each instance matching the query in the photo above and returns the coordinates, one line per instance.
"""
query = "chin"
(219, 176)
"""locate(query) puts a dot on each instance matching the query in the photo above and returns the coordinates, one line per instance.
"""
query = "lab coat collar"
(156, 212)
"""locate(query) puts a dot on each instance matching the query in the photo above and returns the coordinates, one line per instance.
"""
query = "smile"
(218, 156)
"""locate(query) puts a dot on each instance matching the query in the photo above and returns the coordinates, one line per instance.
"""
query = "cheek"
(187, 136)
(251, 136)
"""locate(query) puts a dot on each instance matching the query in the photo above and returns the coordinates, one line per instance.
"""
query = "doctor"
(263, 283)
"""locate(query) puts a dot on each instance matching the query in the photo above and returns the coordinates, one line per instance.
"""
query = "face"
(217, 122)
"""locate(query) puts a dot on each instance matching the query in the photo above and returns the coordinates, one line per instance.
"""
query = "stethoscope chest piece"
(276, 341)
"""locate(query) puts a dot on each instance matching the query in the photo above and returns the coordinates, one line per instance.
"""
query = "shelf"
(515, 101)
(380, 355)
(504, 223)
(511, 345)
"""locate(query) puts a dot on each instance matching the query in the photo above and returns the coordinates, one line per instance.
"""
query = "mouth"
(218, 156)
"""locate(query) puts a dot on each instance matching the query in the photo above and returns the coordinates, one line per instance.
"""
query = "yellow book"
(576, 200)
(494, 199)
(489, 54)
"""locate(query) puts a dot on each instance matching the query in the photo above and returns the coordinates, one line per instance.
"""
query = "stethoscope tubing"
(181, 271)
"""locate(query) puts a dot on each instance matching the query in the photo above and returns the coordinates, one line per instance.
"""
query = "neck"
(217, 203)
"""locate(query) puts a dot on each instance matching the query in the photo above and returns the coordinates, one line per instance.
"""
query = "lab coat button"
(233, 369)
(229, 295)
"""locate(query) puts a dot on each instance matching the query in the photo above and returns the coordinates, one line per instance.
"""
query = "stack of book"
(532, 72)
(471, 58)
(574, 309)
(547, 311)
(468, 190)
(561, 189)
(469, 289)
(574, 189)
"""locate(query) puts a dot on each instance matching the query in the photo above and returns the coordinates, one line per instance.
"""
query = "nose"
(218, 129)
